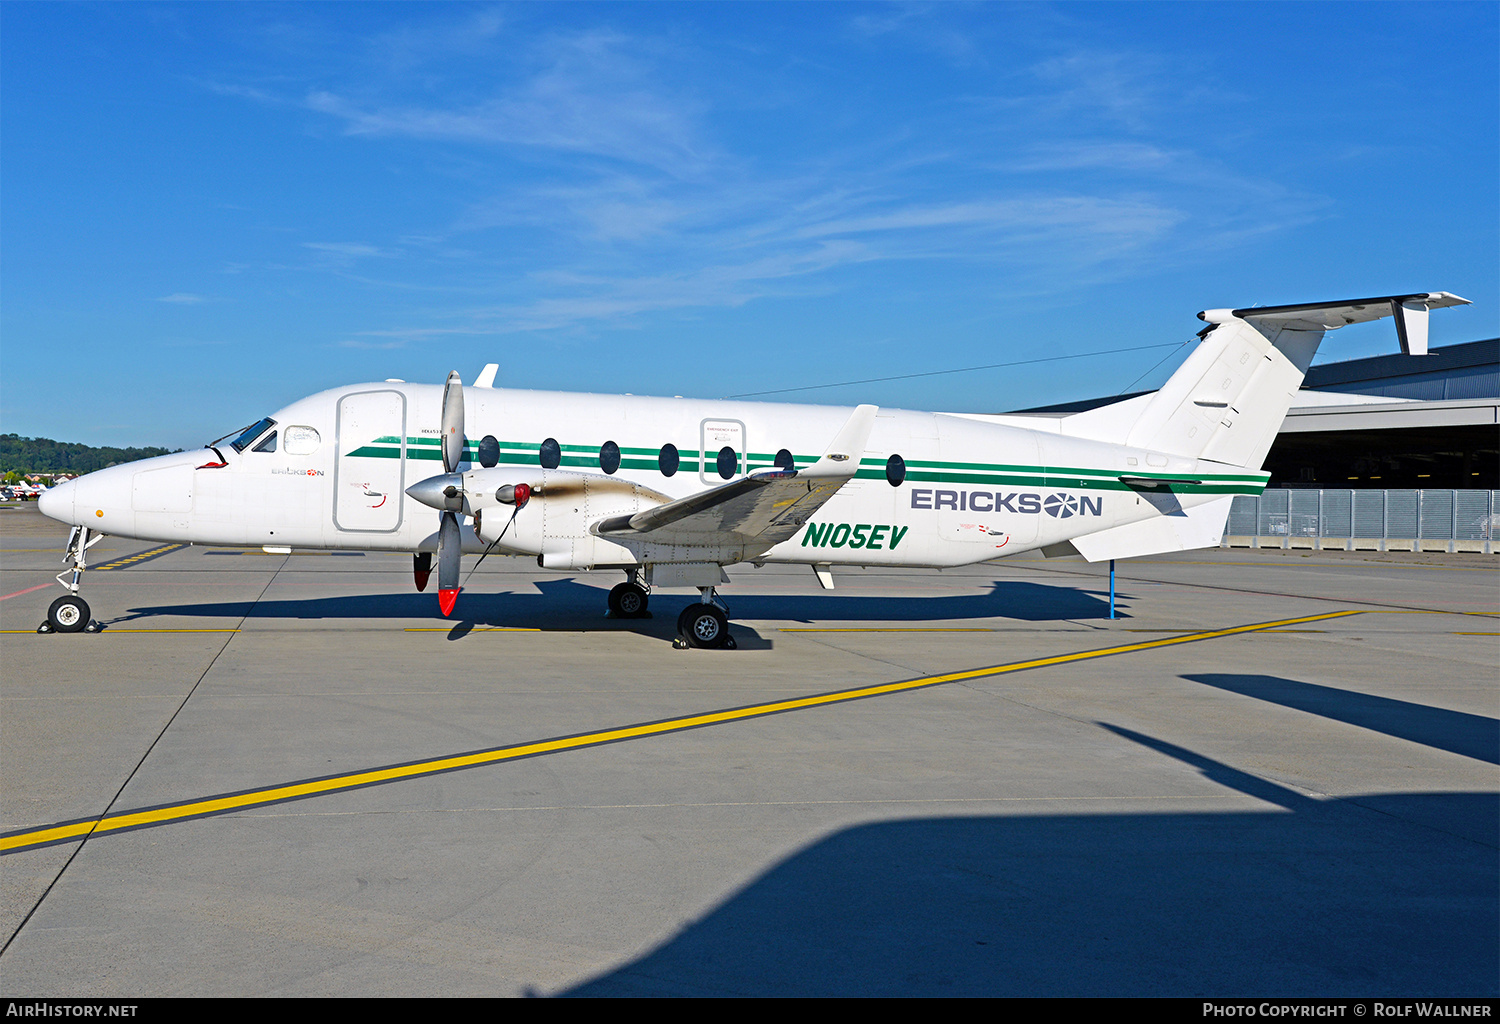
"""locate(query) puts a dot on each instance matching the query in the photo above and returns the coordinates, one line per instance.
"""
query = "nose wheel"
(69, 614)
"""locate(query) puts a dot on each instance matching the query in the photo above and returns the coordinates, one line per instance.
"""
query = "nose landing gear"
(70, 614)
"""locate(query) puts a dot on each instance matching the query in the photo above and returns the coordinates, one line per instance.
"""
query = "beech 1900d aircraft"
(670, 490)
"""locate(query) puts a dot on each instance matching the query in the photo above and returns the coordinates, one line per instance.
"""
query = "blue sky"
(210, 210)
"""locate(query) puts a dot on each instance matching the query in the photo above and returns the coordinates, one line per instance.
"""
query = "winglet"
(842, 456)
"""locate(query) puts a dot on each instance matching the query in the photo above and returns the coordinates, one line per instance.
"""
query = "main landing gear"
(70, 614)
(704, 624)
(630, 599)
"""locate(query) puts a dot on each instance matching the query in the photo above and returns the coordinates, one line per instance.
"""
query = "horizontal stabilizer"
(1410, 312)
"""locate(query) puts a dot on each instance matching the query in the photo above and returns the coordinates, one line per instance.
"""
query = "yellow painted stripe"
(112, 629)
(377, 776)
(476, 629)
(121, 563)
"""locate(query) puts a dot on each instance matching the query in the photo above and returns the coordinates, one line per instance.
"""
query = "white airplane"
(670, 490)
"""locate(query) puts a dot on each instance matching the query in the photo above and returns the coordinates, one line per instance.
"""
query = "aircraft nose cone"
(430, 492)
(57, 502)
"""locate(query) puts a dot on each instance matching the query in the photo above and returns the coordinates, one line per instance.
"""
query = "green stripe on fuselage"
(927, 471)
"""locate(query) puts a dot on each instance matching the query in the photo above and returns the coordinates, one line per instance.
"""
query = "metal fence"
(1395, 520)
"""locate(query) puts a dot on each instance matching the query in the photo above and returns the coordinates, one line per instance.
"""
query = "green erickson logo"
(879, 537)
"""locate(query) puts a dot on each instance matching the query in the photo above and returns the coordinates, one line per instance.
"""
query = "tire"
(69, 614)
(633, 601)
(707, 626)
(628, 601)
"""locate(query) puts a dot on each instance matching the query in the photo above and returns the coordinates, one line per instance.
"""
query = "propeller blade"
(450, 552)
(453, 422)
(421, 568)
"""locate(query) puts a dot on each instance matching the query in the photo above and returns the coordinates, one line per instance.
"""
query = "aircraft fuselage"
(932, 489)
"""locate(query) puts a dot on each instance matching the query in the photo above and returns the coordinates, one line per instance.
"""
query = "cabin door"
(369, 478)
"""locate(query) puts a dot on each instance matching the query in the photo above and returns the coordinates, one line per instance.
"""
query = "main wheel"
(628, 601)
(69, 614)
(704, 625)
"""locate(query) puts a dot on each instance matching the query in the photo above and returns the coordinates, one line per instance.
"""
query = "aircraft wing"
(767, 507)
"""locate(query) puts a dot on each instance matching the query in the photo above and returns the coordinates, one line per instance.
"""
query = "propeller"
(450, 542)
(446, 493)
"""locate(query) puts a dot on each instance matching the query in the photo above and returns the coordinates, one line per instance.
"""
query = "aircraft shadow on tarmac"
(1454, 731)
(566, 604)
(1393, 894)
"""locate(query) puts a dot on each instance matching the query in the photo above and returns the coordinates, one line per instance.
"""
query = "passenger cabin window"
(609, 457)
(668, 460)
(784, 460)
(895, 470)
(550, 454)
(489, 451)
(728, 462)
(249, 435)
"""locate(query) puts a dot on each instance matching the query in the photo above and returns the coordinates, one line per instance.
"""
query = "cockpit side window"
(269, 444)
(244, 441)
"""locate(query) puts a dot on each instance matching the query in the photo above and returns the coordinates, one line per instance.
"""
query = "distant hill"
(44, 455)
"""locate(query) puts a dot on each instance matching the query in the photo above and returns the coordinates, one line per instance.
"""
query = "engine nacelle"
(555, 518)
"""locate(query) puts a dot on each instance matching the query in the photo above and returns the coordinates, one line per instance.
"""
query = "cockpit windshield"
(248, 436)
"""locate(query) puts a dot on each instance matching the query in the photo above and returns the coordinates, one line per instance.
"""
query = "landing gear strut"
(704, 624)
(70, 614)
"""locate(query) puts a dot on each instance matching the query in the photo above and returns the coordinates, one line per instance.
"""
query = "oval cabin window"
(549, 454)
(609, 457)
(668, 460)
(489, 451)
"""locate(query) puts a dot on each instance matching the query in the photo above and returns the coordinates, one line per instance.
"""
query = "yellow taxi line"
(147, 817)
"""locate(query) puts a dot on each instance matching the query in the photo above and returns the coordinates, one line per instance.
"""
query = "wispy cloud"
(183, 298)
(596, 95)
(604, 183)
(350, 250)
